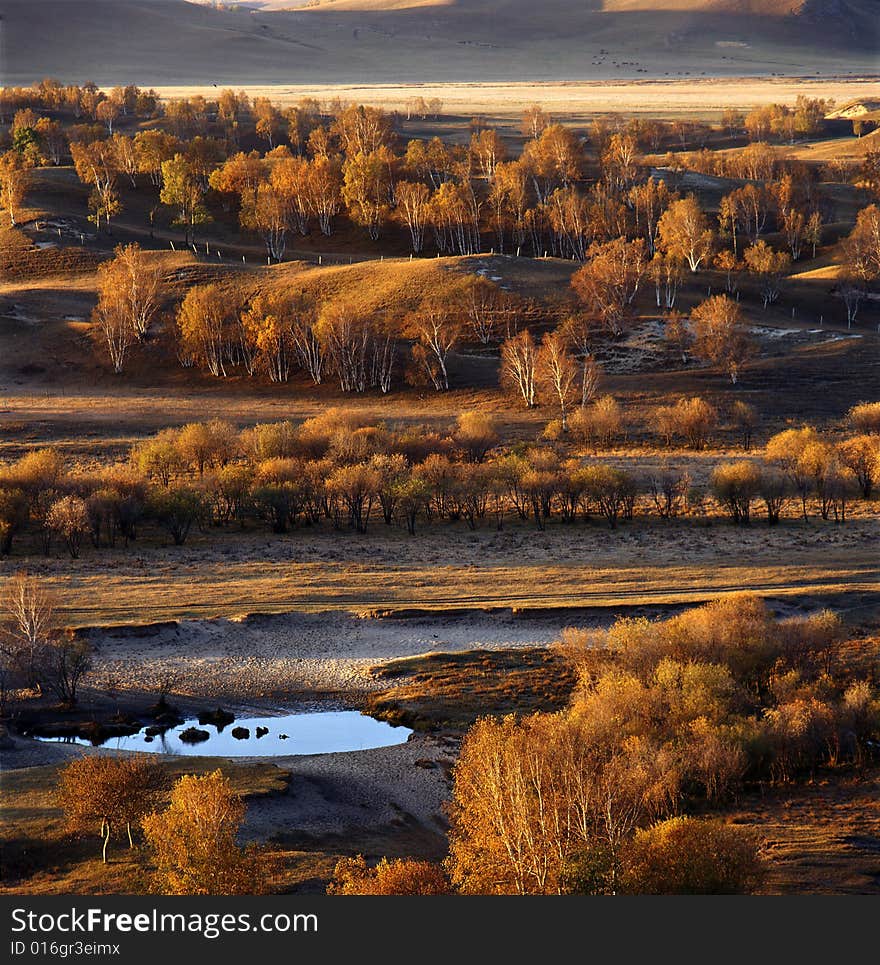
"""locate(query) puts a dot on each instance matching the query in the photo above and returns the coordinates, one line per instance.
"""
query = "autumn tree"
(791, 451)
(535, 121)
(692, 419)
(530, 794)
(366, 188)
(152, 148)
(649, 200)
(54, 139)
(97, 165)
(268, 120)
(727, 262)
(736, 485)
(107, 113)
(193, 841)
(324, 191)
(266, 324)
(436, 328)
(485, 306)
(609, 282)
(129, 293)
(746, 210)
(509, 198)
(620, 161)
(203, 326)
(861, 249)
(15, 181)
(489, 150)
(364, 130)
(207, 444)
(769, 266)
(357, 486)
(475, 434)
(865, 417)
(683, 231)
(554, 159)
(666, 272)
(183, 190)
(159, 457)
(238, 176)
(719, 335)
(813, 231)
(359, 347)
(556, 373)
(413, 208)
(69, 519)
(600, 424)
(177, 509)
(861, 456)
(109, 795)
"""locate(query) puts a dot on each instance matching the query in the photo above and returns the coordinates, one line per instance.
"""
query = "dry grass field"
(574, 101)
(582, 567)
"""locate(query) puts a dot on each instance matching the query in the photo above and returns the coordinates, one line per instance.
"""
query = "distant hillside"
(166, 42)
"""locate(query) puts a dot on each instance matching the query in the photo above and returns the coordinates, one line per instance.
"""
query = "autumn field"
(540, 420)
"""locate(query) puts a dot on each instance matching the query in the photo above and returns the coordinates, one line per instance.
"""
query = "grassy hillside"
(394, 41)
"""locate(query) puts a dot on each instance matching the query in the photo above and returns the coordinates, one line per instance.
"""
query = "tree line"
(339, 470)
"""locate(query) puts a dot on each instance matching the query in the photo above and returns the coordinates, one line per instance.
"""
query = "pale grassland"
(573, 99)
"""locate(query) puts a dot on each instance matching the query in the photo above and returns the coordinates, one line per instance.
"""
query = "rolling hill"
(166, 42)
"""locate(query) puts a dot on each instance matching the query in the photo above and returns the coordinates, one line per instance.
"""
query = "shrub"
(736, 485)
(176, 509)
(599, 424)
(686, 856)
(475, 434)
(865, 417)
(352, 876)
(69, 519)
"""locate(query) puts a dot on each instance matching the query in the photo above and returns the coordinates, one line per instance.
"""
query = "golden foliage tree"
(683, 232)
(193, 841)
(609, 282)
(129, 294)
(15, 180)
(109, 795)
(203, 327)
(719, 334)
(436, 328)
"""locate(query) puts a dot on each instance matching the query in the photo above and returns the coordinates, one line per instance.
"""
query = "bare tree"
(556, 373)
(518, 358)
(29, 625)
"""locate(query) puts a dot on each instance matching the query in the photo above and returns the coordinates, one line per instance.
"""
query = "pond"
(322, 732)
